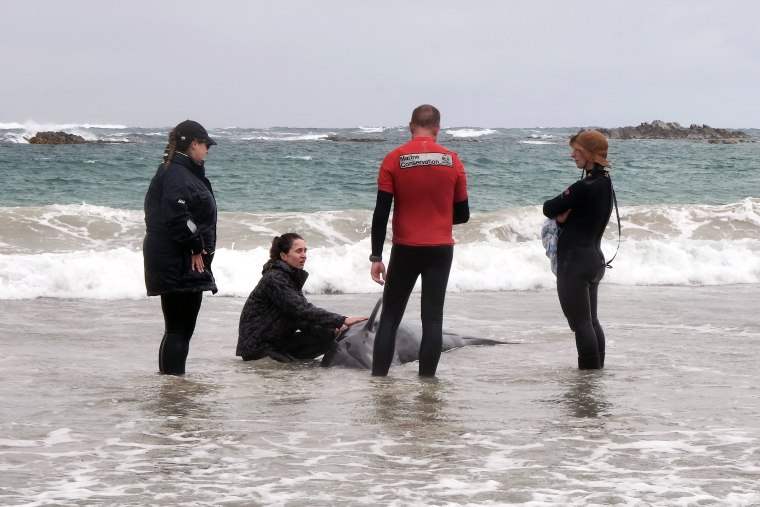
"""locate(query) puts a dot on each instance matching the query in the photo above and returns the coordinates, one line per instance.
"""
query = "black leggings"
(306, 343)
(578, 276)
(407, 263)
(180, 313)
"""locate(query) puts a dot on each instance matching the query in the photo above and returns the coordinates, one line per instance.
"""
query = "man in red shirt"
(429, 186)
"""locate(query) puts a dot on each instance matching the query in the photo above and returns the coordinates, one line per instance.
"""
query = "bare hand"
(196, 262)
(378, 272)
(562, 217)
(350, 321)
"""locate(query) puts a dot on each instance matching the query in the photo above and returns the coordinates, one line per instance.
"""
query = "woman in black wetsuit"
(583, 211)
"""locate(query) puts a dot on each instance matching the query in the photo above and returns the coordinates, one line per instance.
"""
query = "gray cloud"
(490, 63)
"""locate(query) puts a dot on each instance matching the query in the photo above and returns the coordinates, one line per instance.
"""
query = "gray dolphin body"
(353, 347)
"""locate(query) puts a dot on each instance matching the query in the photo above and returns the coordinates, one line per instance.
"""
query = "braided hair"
(280, 244)
(175, 144)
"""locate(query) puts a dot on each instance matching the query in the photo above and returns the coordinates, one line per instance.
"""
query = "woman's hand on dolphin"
(378, 272)
(350, 321)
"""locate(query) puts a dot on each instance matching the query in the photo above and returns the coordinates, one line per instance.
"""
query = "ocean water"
(671, 420)
(71, 222)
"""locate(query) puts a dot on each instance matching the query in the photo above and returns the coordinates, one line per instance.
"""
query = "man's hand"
(378, 272)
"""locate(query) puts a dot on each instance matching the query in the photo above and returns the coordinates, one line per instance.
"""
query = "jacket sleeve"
(292, 302)
(176, 204)
(565, 201)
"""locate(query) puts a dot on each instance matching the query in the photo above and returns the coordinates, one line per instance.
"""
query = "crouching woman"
(277, 321)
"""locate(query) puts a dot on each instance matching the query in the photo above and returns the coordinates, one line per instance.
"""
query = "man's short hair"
(426, 116)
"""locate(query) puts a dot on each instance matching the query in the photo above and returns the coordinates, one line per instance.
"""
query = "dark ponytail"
(280, 244)
(175, 144)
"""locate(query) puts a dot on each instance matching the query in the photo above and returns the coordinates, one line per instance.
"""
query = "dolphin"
(353, 347)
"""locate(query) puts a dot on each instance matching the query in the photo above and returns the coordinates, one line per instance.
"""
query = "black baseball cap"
(190, 130)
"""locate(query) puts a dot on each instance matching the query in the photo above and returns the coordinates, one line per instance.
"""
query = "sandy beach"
(672, 420)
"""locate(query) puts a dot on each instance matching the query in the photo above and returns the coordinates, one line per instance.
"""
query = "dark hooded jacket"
(276, 309)
(180, 218)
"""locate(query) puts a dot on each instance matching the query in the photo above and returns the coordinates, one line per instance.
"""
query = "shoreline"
(619, 305)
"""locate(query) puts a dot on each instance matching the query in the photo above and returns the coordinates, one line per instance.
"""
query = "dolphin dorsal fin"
(372, 317)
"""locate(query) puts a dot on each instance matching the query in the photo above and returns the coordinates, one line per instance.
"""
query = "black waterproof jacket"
(180, 218)
(276, 309)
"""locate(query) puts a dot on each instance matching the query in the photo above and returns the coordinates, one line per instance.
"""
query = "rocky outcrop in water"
(65, 138)
(56, 138)
(662, 130)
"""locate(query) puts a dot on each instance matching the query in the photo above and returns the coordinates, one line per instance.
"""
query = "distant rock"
(64, 138)
(56, 138)
(662, 130)
(354, 139)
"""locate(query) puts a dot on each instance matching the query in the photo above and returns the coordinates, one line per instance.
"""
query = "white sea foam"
(371, 130)
(16, 137)
(88, 131)
(493, 266)
(286, 136)
(66, 228)
(469, 133)
(41, 127)
(86, 251)
(534, 141)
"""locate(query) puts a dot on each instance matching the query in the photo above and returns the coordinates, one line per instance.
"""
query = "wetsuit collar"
(594, 171)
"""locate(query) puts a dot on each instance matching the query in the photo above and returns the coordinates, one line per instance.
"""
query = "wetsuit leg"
(435, 278)
(562, 281)
(402, 275)
(598, 331)
(577, 284)
(180, 315)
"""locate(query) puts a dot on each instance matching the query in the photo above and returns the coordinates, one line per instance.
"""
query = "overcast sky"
(346, 63)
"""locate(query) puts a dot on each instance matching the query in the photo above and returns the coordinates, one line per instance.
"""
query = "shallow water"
(672, 420)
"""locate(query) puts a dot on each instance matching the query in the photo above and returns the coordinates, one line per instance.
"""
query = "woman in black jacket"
(277, 321)
(583, 211)
(180, 219)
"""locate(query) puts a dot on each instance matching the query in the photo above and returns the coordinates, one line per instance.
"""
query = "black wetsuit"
(580, 261)
(407, 263)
